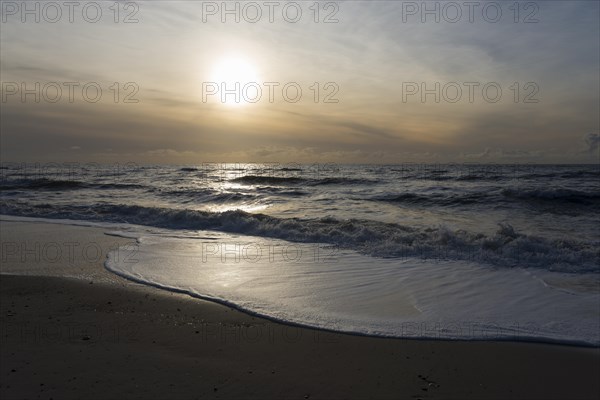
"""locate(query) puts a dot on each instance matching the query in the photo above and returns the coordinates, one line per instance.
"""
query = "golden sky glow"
(328, 91)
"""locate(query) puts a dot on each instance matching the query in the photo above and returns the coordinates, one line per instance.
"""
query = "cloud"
(503, 154)
(592, 140)
(484, 154)
(368, 130)
(369, 124)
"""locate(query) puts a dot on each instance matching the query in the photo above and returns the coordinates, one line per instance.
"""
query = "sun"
(237, 80)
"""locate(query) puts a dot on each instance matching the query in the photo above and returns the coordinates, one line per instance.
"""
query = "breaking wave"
(505, 248)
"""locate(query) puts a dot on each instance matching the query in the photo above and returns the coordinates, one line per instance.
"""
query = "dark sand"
(103, 337)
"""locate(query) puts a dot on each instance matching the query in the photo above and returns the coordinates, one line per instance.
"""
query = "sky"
(341, 82)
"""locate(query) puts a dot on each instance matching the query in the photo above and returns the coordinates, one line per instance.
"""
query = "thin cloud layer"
(547, 72)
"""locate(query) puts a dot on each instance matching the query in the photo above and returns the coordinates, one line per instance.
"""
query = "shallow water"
(509, 250)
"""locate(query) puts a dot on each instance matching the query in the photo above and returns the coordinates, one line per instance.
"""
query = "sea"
(435, 251)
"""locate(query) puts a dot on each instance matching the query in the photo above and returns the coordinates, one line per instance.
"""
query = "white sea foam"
(315, 285)
(505, 248)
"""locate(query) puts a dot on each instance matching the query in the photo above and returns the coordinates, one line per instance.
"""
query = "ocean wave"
(281, 191)
(290, 169)
(61, 184)
(581, 174)
(267, 180)
(498, 196)
(506, 248)
(438, 199)
(342, 181)
(553, 194)
(293, 180)
(481, 177)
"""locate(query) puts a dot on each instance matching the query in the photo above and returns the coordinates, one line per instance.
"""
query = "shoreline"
(109, 236)
(233, 306)
(103, 336)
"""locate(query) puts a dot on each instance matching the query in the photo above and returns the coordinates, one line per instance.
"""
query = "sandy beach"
(300, 200)
(80, 331)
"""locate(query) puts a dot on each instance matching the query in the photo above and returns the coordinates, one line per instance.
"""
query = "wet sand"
(96, 335)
